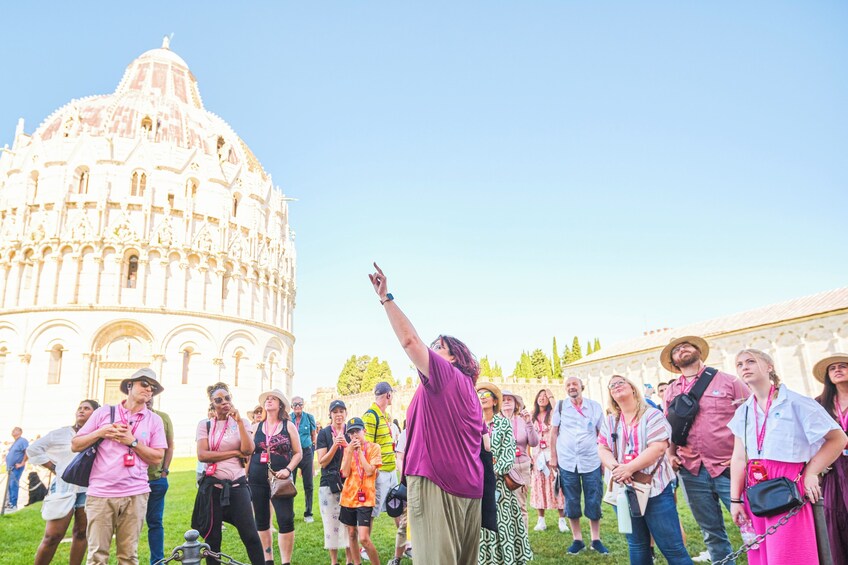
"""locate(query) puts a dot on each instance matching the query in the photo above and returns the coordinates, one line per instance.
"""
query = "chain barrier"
(192, 552)
(222, 558)
(762, 537)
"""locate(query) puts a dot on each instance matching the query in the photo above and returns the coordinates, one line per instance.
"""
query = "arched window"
(186, 362)
(33, 179)
(54, 370)
(238, 357)
(3, 353)
(139, 183)
(235, 205)
(171, 200)
(132, 271)
(191, 188)
(82, 184)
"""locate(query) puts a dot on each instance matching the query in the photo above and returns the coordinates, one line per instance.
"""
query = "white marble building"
(796, 333)
(138, 229)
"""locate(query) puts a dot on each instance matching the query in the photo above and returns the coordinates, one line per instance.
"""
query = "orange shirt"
(354, 483)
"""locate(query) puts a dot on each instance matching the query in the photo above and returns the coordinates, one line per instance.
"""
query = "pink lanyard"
(335, 435)
(514, 428)
(541, 421)
(579, 410)
(841, 416)
(359, 470)
(138, 418)
(214, 447)
(631, 432)
(274, 433)
(761, 432)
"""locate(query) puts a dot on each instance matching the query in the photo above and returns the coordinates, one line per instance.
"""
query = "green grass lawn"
(20, 533)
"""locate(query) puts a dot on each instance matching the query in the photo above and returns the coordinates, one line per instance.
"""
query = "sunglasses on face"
(145, 384)
(485, 394)
(222, 399)
(297, 404)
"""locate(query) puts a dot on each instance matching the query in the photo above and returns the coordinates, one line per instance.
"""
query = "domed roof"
(157, 98)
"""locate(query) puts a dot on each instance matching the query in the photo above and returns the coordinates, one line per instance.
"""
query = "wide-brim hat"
(519, 402)
(820, 368)
(493, 388)
(698, 342)
(276, 393)
(147, 374)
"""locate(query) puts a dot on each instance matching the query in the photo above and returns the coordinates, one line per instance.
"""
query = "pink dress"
(794, 542)
(542, 487)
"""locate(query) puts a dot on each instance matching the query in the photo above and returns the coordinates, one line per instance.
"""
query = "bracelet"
(736, 501)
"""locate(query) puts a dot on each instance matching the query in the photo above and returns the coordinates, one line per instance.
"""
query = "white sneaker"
(703, 557)
(540, 525)
(363, 554)
(563, 525)
(308, 519)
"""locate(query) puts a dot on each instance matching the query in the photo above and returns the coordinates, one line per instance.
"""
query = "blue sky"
(520, 170)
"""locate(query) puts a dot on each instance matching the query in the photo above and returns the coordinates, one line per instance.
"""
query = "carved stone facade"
(138, 229)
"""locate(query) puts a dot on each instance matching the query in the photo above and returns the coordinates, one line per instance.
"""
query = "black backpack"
(683, 410)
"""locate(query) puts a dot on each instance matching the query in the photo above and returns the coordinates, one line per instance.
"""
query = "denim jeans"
(704, 494)
(593, 491)
(14, 484)
(305, 467)
(661, 521)
(155, 509)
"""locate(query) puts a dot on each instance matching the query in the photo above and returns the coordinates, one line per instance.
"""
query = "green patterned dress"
(511, 545)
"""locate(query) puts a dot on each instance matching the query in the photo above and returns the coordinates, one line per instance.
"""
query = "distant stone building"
(797, 333)
(138, 229)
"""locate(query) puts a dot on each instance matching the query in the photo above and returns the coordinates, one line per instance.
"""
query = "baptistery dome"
(138, 229)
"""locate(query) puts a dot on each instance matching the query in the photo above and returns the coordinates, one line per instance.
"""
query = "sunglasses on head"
(222, 399)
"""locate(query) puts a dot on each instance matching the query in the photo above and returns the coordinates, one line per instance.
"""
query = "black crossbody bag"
(773, 496)
(683, 409)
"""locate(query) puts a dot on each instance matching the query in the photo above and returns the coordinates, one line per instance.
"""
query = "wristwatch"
(389, 298)
(134, 443)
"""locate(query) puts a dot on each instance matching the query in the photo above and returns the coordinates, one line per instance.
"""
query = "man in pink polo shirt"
(704, 462)
(118, 487)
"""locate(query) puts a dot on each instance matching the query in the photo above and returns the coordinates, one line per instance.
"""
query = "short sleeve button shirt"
(577, 439)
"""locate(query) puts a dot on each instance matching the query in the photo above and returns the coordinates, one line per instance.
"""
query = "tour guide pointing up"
(443, 468)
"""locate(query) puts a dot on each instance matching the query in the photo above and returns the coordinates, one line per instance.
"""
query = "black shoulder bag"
(78, 471)
(683, 409)
(774, 496)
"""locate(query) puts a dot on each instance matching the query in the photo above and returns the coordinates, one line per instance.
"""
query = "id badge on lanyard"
(129, 459)
(263, 457)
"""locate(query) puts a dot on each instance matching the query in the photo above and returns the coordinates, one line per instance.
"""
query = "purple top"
(110, 478)
(445, 429)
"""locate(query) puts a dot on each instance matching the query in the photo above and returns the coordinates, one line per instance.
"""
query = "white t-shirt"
(795, 427)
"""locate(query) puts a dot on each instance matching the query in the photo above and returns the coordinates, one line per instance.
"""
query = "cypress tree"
(556, 363)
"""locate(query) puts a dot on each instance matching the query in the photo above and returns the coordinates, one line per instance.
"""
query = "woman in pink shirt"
(221, 444)
(542, 486)
(525, 437)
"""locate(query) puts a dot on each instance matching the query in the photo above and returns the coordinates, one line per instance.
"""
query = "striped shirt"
(381, 435)
(652, 427)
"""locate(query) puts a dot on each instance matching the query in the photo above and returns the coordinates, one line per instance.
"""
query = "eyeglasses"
(145, 384)
(297, 404)
(436, 346)
(222, 399)
(616, 384)
(485, 394)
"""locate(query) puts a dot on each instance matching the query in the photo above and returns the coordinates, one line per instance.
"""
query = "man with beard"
(704, 461)
(574, 441)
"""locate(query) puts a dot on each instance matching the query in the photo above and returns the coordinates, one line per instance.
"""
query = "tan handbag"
(280, 488)
(513, 479)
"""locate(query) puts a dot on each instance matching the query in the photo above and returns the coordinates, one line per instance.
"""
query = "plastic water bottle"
(748, 534)
(625, 526)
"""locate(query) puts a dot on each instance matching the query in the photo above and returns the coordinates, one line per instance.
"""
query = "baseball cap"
(382, 388)
(337, 404)
(354, 424)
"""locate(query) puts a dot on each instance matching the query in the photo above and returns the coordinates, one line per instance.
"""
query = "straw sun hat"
(698, 343)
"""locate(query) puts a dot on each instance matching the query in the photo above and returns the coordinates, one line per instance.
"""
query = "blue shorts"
(593, 492)
(80, 501)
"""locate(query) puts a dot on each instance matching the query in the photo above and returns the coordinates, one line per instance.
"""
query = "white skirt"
(335, 533)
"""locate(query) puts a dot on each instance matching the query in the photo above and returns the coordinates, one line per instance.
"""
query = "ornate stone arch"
(118, 349)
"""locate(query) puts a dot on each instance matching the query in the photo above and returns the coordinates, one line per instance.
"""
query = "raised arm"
(415, 348)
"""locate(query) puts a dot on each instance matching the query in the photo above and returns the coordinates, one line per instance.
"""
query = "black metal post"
(191, 548)
(822, 541)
